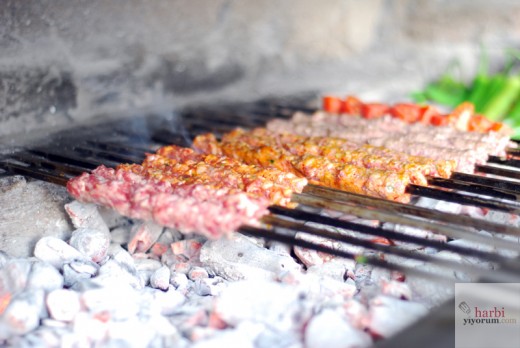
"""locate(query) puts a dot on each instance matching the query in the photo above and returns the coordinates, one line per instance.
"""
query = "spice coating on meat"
(466, 149)
(179, 188)
(309, 158)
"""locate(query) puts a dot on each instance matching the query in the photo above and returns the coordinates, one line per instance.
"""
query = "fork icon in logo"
(463, 306)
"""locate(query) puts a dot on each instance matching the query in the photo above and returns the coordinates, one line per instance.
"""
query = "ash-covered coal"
(152, 286)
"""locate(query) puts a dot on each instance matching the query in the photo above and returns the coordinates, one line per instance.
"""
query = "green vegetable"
(502, 97)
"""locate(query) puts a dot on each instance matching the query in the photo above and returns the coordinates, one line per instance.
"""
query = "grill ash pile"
(118, 282)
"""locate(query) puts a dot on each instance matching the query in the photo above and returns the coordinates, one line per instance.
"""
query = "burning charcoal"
(168, 301)
(44, 276)
(337, 268)
(76, 271)
(87, 327)
(198, 273)
(356, 313)
(447, 207)
(179, 280)
(413, 231)
(209, 286)
(280, 248)
(13, 278)
(120, 235)
(23, 313)
(388, 315)
(118, 301)
(113, 272)
(123, 257)
(244, 335)
(143, 236)
(160, 279)
(63, 305)
(112, 218)
(186, 250)
(237, 258)
(396, 289)
(56, 252)
(146, 267)
(329, 329)
(91, 243)
(85, 215)
(266, 302)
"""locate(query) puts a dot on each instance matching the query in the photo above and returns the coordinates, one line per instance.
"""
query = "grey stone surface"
(28, 212)
(65, 61)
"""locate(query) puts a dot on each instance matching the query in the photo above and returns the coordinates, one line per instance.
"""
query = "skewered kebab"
(465, 148)
(186, 193)
(317, 169)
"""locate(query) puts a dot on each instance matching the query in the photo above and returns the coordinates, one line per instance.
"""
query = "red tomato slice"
(439, 120)
(353, 105)
(427, 113)
(333, 104)
(374, 110)
(406, 112)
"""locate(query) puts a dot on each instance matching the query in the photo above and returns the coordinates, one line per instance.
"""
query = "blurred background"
(73, 60)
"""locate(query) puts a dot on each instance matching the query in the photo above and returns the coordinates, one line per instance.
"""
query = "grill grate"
(67, 155)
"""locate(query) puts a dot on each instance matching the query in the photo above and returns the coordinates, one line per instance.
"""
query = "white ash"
(160, 278)
(86, 216)
(56, 251)
(90, 242)
(175, 290)
(388, 315)
(330, 329)
(143, 236)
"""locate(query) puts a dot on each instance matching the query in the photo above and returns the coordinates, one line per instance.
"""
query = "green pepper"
(446, 91)
(502, 98)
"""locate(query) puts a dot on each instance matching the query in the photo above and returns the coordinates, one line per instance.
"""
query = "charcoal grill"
(70, 153)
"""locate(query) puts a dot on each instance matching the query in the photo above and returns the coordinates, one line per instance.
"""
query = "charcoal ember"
(134, 333)
(388, 315)
(319, 286)
(143, 236)
(209, 286)
(91, 243)
(113, 272)
(337, 268)
(112, 218)
(244, 335)
(431, 203)
(117, 301)
(56, 252)
(44, 276)
(86, 215)
(30, 211)
(43, 336)
(63, 304)
(415, 232)
(179, 280)
(87, 327)
(356, 313)
(77, 271)
(396, 289)
(167, 301)
(266, 302)
(23, 313)
(330, 329)
(198, 273)
(14, 277)
(123, 257)
(120, 235)
(238, 258)
(280, 248)
(312, 257)
(187, 250)
(160, 279)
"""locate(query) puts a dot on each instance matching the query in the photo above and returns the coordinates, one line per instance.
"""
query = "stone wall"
(70, 60)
